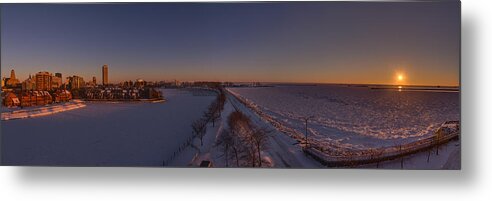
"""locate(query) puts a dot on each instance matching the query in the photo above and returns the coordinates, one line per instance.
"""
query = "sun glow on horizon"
(400, 78)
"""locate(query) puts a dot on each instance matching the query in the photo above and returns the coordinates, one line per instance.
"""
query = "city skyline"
(266, 42)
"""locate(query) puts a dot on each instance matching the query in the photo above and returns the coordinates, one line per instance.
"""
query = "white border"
(473, 182)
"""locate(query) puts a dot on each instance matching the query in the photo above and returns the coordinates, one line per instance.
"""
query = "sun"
(400, 77)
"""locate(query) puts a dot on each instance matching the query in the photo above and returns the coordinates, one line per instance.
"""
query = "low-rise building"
(35, 98)
(11, 100)
(62, 95)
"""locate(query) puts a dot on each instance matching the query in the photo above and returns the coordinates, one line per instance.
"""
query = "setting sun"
(400, 77)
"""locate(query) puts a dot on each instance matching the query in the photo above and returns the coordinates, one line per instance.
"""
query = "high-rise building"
(75, 82)
(56, 82)
(60, 76)
(94, 81)
(105, 74)
(44, 81)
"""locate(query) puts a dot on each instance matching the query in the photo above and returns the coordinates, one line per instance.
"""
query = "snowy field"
(104, 134)
(355, 118)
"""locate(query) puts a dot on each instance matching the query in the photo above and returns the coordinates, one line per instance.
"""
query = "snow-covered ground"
(157, 134)
(449, 157)
(104, 134)
(282, 151)
(354, 118)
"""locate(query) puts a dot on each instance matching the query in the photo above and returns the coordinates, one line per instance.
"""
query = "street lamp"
(306, 119)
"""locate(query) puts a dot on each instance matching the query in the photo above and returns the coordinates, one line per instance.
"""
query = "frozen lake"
(104, 134)
(355, 117)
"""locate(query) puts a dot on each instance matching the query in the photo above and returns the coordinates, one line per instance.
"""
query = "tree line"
(212, 114)
(242, 142)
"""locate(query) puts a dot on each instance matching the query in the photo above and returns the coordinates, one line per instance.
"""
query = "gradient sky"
(323, 42)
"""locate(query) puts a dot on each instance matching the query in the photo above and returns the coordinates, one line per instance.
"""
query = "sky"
(308, 42)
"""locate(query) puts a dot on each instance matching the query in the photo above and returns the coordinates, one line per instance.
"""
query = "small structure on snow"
(206, 164)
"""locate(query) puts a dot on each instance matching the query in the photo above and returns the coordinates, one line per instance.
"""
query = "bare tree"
(232, 146)
(199, 128)
(236, 148)
(221, 99)
(246, 139)
(215, 114)
(226, 141)
(236, 122)
(207, 115)
(259, 137)
(215, 109)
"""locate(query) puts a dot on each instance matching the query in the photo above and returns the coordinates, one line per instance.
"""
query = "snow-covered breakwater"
(378, 155)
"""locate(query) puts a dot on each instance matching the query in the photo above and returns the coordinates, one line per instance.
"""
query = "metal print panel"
(232, 85)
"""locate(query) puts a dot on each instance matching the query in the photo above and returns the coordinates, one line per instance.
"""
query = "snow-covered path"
(281, 153)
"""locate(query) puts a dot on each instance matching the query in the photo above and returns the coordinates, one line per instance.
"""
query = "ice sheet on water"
(355, 117)
(106, 134)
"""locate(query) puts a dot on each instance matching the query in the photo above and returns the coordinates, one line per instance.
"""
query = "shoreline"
(42, 111)
(151, 100)
(63, 107)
